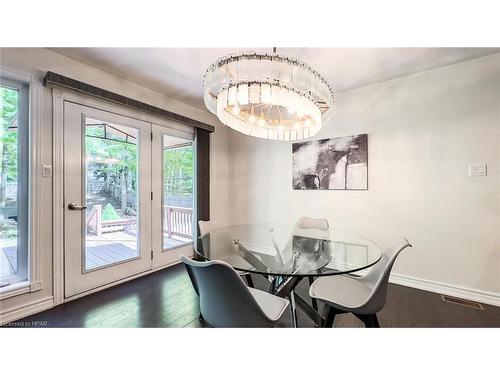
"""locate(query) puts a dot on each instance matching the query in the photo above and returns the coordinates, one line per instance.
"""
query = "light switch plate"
(476, 170)
(47, 171)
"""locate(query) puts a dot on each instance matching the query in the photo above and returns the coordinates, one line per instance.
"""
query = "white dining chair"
(321, 224)
(225, 300)
(362, 296)
(207, 226)
(305, 222)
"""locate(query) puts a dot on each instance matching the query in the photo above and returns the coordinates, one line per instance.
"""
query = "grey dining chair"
(363, 296)
(206, 226)
(305, 222)
(225, 300)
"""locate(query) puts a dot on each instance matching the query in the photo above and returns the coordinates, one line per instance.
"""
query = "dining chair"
(225, 300)
(207, 226)
(305, 222)
(363, 296)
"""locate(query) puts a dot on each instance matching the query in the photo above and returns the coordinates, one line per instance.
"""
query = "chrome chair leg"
(313, 300)
(293, 309)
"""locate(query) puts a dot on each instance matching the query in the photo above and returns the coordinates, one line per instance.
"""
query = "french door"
(107, 187)
(128, 197)
(174, 218)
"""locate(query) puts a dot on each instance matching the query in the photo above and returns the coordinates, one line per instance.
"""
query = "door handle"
(73, 206)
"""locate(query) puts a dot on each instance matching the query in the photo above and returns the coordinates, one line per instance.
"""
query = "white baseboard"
(489, 298)
(25, 310)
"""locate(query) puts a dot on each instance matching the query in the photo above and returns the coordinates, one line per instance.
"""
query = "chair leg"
(330, 317)
(314, 302)
(293, 310)
(249, 280)
(370, 320)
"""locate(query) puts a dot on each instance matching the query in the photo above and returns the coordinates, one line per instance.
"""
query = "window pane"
(178, 169)
(13, 189)
(111, 194)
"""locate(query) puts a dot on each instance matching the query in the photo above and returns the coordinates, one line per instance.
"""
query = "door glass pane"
(178, 169)
(13, 187)
(111, 217)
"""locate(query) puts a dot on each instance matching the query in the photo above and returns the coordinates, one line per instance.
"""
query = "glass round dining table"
(286, 253)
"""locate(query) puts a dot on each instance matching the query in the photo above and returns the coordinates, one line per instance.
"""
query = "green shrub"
(8, 228)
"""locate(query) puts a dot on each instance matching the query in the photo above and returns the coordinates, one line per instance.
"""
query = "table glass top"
(288, 250)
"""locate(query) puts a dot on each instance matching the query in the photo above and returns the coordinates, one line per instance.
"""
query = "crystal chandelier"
(267, 95)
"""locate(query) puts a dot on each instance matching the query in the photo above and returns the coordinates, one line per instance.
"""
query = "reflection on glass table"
(285, 250)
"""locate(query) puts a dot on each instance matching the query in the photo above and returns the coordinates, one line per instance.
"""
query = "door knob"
(73, 206)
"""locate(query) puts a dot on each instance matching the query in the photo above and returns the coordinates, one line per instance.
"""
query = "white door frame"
(59, 96)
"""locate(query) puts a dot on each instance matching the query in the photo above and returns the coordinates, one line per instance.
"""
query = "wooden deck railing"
(178, 221)
(97, 226)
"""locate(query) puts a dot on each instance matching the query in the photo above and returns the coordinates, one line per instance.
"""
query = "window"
(178, 172)
(14, 172)
(111, 198)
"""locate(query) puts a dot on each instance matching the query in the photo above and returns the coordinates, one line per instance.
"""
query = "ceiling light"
(284, 89)
(236, 109)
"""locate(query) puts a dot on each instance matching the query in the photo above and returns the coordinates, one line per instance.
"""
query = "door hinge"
(151, 195)
(151, 137)
(151, 254)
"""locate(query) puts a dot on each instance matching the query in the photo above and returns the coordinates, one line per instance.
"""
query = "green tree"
(123, 155)
(117, 161)
(8, 139)
(178, 168)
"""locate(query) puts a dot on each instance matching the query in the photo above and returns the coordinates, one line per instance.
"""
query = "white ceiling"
(178, 72)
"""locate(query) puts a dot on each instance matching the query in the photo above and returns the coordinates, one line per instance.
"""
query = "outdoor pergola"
(112, 133)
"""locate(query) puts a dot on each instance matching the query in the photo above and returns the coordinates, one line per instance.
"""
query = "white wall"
(424, 129)
(36, 62)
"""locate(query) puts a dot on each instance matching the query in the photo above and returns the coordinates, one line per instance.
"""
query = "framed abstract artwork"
(331, 164)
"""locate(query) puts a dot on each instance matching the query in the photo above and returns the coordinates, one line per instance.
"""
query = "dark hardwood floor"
(167, 299)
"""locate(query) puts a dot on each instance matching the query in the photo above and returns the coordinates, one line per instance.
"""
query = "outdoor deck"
(102, 250)
(109, 248)
(116, 247)
(8, 257)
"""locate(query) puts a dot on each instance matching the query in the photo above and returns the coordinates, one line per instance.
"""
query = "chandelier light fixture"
(268, 95)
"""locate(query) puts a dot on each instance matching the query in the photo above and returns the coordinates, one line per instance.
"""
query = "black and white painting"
(331, 164)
